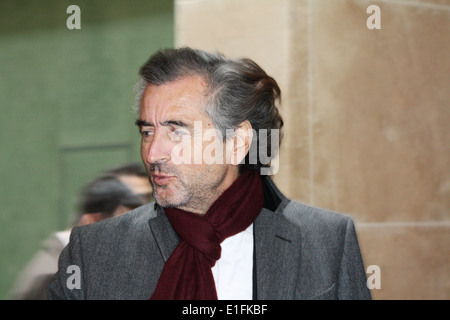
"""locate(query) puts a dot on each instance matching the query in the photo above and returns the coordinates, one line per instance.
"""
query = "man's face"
(166, 121)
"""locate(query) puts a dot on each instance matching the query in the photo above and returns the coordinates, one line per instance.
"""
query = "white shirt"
(233, 272)
(63, 236)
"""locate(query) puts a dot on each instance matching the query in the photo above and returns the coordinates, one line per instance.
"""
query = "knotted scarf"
(187, 273)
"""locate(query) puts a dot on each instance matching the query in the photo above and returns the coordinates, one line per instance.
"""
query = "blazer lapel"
(165, 237)
(277, 246)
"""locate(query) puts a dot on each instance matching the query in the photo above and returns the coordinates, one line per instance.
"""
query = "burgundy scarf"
(187, 273)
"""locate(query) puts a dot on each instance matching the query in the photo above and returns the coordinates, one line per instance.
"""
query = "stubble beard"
(194, 193)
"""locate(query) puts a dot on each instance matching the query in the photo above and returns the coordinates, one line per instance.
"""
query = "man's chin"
(167, 202)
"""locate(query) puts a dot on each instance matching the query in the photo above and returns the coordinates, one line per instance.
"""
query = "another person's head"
(106, 197)
(204, 119)
(134, 176)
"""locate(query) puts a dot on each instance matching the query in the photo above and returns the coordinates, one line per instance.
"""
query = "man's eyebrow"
(143, 123)
(177, 123)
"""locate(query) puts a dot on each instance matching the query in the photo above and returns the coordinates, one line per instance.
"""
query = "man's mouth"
(161, 179)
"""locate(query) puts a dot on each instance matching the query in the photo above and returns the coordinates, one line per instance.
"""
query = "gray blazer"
(301, 252)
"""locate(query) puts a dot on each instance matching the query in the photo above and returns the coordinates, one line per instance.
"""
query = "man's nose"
(159, 149)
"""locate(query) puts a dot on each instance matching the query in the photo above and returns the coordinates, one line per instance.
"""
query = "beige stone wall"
(367, 118)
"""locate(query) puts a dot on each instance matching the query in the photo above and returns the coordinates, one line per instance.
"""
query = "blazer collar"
(165, 236)
(277, 247)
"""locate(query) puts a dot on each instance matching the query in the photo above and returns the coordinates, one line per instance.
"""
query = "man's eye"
(179, 134)
(146, 133)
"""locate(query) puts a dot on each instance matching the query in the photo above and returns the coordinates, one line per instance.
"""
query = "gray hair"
(237, 90)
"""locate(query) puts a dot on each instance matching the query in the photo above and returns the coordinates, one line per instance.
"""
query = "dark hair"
(105, 194)
(237, 90)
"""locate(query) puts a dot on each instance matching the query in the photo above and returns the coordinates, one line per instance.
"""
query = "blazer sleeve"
(352, 275)
(67, 282)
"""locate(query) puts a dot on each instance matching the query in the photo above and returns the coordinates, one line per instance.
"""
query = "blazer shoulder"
(127, 223)
(329, 244)
(316, 219)
(105, 250)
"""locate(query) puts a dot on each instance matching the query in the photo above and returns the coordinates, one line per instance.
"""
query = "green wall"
(65, 98)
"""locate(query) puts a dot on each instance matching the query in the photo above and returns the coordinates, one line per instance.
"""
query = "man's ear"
(239, 145)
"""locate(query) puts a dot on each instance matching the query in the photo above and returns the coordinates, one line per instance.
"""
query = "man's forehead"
(170, 115)
(182, 99)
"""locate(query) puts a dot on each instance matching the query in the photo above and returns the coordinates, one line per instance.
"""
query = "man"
(220, 228)
(113, 193)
